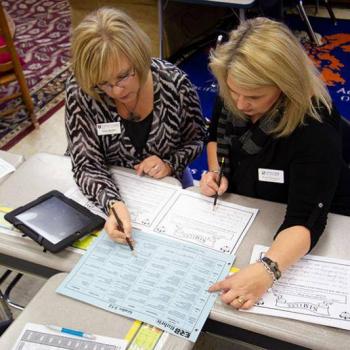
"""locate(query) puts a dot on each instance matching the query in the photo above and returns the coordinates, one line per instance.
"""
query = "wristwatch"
(271, 267)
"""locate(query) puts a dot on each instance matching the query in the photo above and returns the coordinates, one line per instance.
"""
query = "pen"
(71, 332)
(121, 228)
(219, 181)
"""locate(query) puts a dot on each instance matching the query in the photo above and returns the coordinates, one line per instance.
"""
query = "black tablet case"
(96, 222)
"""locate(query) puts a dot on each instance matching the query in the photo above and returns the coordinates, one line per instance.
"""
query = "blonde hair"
(262, 52)
(100, 40)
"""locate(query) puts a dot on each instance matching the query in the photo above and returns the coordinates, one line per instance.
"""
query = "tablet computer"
(54, 221)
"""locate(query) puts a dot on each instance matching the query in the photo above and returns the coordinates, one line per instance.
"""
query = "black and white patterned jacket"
(176, 134)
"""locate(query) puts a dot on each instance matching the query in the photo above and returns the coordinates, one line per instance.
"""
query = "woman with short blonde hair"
(100, 40)
(125, 108)
(278, 136)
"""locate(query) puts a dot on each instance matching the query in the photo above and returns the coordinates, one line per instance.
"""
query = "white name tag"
(108, 128)
(271, 175)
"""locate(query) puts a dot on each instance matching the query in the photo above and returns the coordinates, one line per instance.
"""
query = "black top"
(316, 178)
(138, 131)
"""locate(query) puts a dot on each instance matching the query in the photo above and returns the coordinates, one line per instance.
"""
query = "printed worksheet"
(143, 196)
(39, 337)
(316, 289)
(162, 208)
(191, 217)
(165, 284)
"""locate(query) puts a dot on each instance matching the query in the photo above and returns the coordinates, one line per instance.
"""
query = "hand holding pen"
(214, 184)
(118, 224)
(221, 172)
(121, 228)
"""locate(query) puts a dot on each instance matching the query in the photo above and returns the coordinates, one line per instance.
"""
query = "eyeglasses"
(120, 82)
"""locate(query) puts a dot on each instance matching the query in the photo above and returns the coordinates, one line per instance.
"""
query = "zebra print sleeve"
(88, 161)
(192, 128)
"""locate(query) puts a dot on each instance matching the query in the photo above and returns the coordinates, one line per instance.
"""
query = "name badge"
(108, 128)
(271, 175)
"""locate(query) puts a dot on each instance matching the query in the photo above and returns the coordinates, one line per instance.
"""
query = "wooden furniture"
(12, 71)
(183, 23)
(241, 5)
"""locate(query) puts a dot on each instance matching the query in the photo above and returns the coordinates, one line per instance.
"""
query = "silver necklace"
(132, 116)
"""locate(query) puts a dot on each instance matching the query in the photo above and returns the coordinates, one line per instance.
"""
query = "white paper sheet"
(159, 207)
(144, 197)
(5, 168)
(39, 337)
(316, 289)
(191, 217)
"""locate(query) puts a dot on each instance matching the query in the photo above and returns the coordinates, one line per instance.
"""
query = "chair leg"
(305, 18)
(8, 291)
(6, 296)
(27, 99)
(330, 11)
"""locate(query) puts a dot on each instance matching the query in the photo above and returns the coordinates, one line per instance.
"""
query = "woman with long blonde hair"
(278, 134)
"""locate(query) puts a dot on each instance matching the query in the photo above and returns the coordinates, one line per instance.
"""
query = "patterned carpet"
(42, 41)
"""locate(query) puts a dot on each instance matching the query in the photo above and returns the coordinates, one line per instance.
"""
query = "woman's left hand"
(244, 288)
(153, 166)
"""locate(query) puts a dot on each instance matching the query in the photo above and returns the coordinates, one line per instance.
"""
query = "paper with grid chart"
(165, 284)
(39, 337)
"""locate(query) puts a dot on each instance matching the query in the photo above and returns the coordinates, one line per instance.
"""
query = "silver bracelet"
(271, 267)
(267, 268)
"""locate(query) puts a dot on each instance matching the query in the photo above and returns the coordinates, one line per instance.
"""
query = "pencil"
(219, 181)
(121, 228)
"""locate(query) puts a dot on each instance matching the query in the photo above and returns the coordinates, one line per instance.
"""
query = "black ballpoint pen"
(219, 181)
(121, 228)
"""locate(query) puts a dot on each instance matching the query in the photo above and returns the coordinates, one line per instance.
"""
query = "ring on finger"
(241, 300)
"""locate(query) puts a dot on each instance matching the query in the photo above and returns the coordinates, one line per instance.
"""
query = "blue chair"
(187, 178)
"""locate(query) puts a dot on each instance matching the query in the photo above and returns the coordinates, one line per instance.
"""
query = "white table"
(43, 172)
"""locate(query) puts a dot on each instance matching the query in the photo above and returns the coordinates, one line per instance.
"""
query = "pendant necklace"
(132, 116)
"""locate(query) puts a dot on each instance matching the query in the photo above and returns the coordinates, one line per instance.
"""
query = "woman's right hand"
(115, 232)
(209, 184)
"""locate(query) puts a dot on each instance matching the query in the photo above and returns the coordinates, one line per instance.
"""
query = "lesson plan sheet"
(316, 289)
(165, 284)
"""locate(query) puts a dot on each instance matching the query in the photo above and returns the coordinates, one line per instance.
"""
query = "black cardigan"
(316, 178)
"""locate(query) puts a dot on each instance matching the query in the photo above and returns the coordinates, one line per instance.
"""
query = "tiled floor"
(51, 138)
